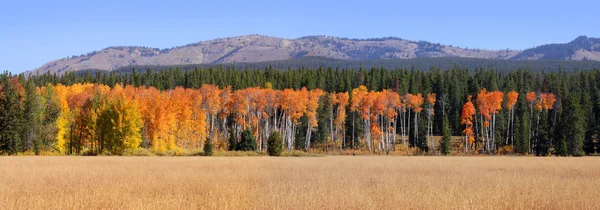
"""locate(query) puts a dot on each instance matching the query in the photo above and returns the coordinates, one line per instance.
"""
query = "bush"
(300, 153)
(138, 152)
(275, 144)
(238, 153)
(248, 143)
(208, 147)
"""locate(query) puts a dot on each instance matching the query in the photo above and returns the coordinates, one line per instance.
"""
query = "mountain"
(257, 48)
(582, 48)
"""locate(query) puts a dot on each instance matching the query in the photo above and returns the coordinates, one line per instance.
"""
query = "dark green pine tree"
(573, 126)
(232, 141)
(248, 142)
(11, 116)
(590, 144)
(421, 140)
(275, 144)
(208, 147)
(446, 142)
(324, 114)
(521, 126)
(542, 146)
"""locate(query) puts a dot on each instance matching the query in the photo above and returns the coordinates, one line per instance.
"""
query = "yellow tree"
(340, 117)
(64, 121)
(126, 121)
(393, 105)
(182, 105)
(198, 119)
(211, 104)
(312, 103)
(495, 100)
(431, 99)
(415, 102)
(358, 94)
(511, 100)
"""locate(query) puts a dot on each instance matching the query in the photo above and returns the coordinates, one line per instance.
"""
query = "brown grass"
(366, 182)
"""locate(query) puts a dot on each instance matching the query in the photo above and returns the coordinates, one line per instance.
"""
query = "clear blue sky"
(35, 32)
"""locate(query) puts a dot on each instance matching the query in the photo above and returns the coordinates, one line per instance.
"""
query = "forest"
(374, 110)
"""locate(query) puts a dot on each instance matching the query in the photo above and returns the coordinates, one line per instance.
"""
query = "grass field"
(365, 182)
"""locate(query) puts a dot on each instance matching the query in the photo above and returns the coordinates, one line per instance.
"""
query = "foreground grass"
(365, 182)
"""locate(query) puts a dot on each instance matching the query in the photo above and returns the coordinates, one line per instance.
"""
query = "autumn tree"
(312, 104)
(49, 129)
(33, 115)
(511, 100)
(468, 111)
(339, 123)
(431, 99)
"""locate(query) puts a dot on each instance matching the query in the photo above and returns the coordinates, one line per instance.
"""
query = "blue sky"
(35, 32)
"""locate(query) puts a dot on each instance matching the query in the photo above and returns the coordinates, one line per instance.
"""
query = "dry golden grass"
(366, 182)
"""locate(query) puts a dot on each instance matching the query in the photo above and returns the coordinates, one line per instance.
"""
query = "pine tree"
(446, 142)
(275, 144)
(522, 126)
(208, 147)
(248, 142)
(11, 116)
(543, 141)
(573, 128)
(232, 141)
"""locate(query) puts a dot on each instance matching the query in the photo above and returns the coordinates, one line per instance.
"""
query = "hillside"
(582, 48)
(257, 48)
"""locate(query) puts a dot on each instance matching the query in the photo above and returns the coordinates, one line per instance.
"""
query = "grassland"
(338, 182)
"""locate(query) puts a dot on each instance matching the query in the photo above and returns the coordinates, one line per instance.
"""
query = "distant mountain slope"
(257, 48)
(582, 48)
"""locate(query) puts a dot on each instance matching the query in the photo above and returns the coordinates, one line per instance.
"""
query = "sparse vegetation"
(369, 182)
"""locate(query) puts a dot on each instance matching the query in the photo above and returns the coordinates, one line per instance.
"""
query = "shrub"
(275, 144)
(138, 152)
(300, 153)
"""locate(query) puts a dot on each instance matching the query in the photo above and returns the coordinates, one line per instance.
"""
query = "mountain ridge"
(260, 48)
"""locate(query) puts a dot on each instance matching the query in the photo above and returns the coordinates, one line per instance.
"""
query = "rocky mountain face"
(257, 48)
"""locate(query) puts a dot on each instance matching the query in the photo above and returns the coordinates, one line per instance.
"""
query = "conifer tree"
(275, 144)
(446, 142)
(208, 147)
(248, 142)
(573, 128)
(11, 116)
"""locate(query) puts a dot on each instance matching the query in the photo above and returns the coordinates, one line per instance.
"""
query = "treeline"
(311, 62)
(414, 63)
(376, 110)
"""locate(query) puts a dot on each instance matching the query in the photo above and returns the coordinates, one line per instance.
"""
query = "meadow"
(332, 182)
